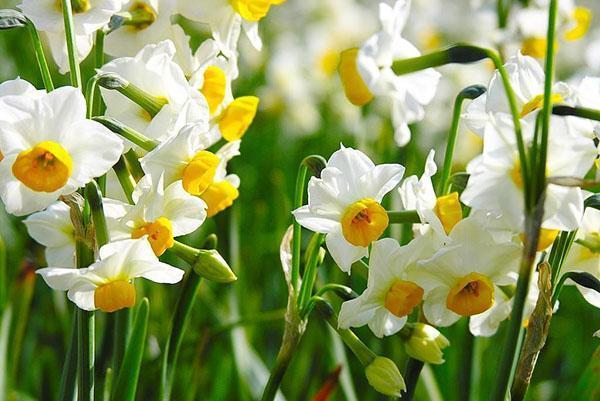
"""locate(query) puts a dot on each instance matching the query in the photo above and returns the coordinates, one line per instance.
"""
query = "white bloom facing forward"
(390, 295)
(344, 203)
(107, 284)
(53, 229)
(463, 277)
(50, 149)
(88, 17)
(159, 213)
(367, 72)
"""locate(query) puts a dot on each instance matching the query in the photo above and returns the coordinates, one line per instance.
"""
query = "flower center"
(356, 89)
(200, 172)
(237, 117)
(159, 232)
(534, 47)
(219, 196)
(546, 239)
(251, 10)
(471, 295)
(448, 210)
(515, 174)
(114, 296)
(402, 297)
(363, 222)
(142, 16)
(582, 17)
(538, 102)
(44, 168)
(328, 62)
(78, 6)
(213, 88)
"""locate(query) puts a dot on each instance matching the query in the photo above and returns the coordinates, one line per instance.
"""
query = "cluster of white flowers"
(464, 259)
(50, 147)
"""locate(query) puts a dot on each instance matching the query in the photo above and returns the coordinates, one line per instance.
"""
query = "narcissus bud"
(211, 265)
(383, 375)
(425, 343)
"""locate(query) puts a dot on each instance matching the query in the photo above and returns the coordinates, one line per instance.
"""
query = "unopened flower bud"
(383, 375)
(426, 344)
(211, 265)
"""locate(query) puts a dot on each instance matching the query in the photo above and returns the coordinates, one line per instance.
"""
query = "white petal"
(342, 252)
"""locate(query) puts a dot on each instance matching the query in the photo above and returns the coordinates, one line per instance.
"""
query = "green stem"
(465, 369)
(94, 197)
(125, 179)
(86, 340)
(126, 132)
(344, 292)
(471, 92)
(40, 57)
(75, 73)
(403, 217)
(310, 274)
(145, 100)
(91, 92)
(3, 274)
(297, 229)
(411, 377)
(590, 114)
(69, 372)
(262, 317)
(120, 336)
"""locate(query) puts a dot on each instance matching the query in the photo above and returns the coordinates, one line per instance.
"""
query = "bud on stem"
(150, 103)
(207, 263)
(459, 53)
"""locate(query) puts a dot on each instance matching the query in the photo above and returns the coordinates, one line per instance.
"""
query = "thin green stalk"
(40, 57)
(86, 337)
(310, 273)
(471, 92)
(127, 132)
(403, 217)
(120, 336)
(75, 73)
(465, 369)
(411, 377)
(94, 197)
(583, 112)
(262, 317)
(297, 230)
(125, 179)
(91, 92)
(3, 274)
(69, 372)
(145, 100)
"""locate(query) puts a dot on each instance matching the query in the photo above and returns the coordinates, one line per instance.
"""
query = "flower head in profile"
(108, 283)
(88, 17)
(463, 277)
(50, 149)
(390, 295)
(344, 203)
(367, 72)
(159, 213)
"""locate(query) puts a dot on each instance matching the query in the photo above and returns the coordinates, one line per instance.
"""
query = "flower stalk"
(150, 103)
(126, 132)
(75, 72)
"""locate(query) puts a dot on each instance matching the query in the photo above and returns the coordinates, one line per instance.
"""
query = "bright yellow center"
(329, 61)
(534, 47)
(214, 86)
(200, 172)
(583, 18)
(471, 295)
(251, 10)
(448, 210)
(515, 174)
(142, 16)
(355, 87)
(114, 296)
(237, 117)
(44, 168)
(402, 297)
(546, 239)
(159, 232)
(538, 102)
(219, 196)
(363, 222)
(78, 6)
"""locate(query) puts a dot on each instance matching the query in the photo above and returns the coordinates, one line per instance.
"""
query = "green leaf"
(4, 334)
(12, 19)
(593, 201)
(130, 369)
(588, 387)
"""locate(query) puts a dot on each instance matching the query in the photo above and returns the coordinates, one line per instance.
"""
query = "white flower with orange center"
(88, 17)
(228, 17)
(584, 255)
(495, 182)
(154, 71)
(463, 277)
(390, 295)
(344, 203)
(107, 284)
(440, 213)
(202, 172)
(50, 149)
(159, 213)
(367, 72)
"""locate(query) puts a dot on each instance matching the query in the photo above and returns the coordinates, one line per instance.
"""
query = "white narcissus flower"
(344, 203)
(367, 72)
(18, 86)
(440, 213)
(587, 95)
(584, 255)
(495, 182)
(390, 295)
(107, 284)
(88, 17)
(50, 149)
(203, 173)
(154, 71)
(159, 213)
(152, 24)
(53, 229)
(463, 277)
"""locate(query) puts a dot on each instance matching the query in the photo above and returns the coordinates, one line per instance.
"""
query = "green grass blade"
(127, 380)
(4, 334)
